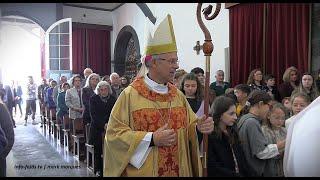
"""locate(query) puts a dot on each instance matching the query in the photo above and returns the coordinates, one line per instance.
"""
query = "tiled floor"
(35, 154)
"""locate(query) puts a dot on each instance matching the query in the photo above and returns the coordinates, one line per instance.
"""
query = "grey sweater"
(253, 141)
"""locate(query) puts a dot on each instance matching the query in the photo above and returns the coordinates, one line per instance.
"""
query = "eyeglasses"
(171, 61)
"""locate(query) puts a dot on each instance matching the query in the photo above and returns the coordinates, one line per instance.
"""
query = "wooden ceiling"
(96, 6)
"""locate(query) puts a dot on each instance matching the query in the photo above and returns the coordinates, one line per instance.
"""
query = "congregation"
(80, 107)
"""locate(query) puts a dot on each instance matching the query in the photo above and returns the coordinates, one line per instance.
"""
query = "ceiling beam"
(229, 5)
(89, 7)
(147, 12)
(117, 6)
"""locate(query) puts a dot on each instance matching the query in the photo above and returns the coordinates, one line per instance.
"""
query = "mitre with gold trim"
(162, 40)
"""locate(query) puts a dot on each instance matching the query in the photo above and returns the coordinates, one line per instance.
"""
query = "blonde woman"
(290, 82)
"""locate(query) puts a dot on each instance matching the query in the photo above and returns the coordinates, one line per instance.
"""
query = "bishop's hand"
(205, 125)
(164, 136)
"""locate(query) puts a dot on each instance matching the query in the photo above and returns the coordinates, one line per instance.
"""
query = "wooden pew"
(78, 138)
(59, 130)
(67, 132)
(42, 114)
(89, 151)
(48, 127)
(53, 119)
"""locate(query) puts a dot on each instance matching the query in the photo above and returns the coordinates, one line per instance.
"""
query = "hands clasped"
(205, 125)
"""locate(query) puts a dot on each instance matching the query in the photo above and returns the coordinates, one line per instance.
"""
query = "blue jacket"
(61, 104)
(50, 103)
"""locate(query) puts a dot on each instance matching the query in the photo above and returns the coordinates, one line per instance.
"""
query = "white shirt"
(269, 152)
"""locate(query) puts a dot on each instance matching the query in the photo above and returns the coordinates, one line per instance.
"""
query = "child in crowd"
(299, 101)
(287, 104)
(274, 131)
(225, 154)
(258, 151)
(307, 86)
(242, 92)
(191, 87)
(271, 89)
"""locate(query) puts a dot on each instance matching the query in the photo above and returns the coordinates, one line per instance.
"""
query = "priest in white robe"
(302, 151)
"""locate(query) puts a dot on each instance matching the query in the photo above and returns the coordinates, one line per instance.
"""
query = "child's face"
(307, 81)
(229, 117)
(190, 87)
(277, 118)
(271, 82)
(240, 94)
(298, 105)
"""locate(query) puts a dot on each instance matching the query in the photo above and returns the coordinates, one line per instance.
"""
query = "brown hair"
(179, 73)
(251, 75)
(221, 105)
(192, 76)
(254, 98)
(314, 93)
(75, 76)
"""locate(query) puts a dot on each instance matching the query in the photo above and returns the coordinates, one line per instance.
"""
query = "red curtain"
(78, 50)
(98, 49)
(246, 36)
(287, 37)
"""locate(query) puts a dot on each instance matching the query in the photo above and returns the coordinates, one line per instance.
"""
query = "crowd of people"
(153, 124)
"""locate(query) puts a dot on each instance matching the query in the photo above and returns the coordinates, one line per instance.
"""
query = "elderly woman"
(87, 92)
(100, 105)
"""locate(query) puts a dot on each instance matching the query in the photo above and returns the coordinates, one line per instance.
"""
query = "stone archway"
(21, 14)
(22, 38)
(127, 52)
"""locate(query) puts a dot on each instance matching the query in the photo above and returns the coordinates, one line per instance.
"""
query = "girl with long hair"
(274, 131)
(225, 154)
(255, 80)
(191, 88)
(308, 86)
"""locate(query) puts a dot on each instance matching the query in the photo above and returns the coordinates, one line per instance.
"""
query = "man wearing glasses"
(152, 130)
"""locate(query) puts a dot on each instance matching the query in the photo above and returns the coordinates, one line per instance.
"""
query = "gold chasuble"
(139, 110)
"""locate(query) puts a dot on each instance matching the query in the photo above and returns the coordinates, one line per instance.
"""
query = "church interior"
(54, 40)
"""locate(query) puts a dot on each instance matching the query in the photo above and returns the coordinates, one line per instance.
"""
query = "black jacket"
(87, 92)
(220, 158)
(99, 112)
